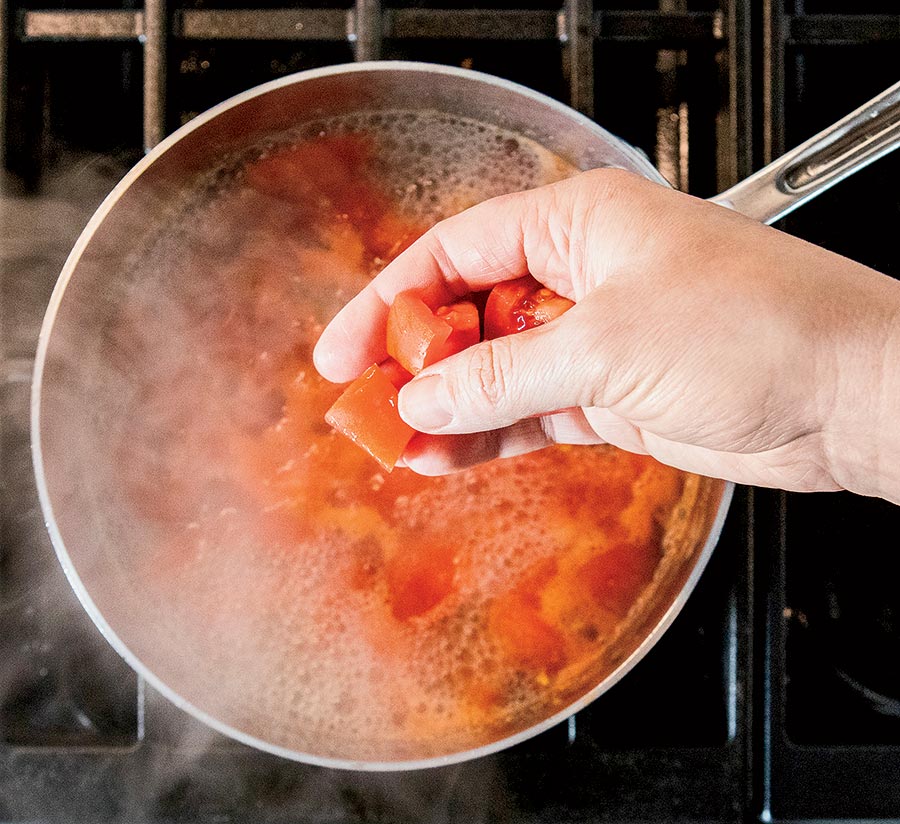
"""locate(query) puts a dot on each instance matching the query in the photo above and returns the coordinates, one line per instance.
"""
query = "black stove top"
(776, 693)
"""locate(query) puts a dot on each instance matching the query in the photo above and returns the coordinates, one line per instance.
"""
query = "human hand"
(714, 343)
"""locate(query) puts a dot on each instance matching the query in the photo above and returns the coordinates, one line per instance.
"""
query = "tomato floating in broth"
(390, 615)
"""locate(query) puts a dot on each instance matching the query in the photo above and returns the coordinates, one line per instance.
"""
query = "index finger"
(500, 239)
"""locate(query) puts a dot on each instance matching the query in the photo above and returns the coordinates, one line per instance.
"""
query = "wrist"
(862, 436)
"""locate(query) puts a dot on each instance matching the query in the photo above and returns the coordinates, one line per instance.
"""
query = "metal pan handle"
(860, 138)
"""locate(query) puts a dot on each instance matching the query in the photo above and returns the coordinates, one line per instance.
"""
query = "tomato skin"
(521, 304)
(367, 414)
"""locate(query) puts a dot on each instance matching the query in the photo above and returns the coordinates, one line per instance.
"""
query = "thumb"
(498, 382)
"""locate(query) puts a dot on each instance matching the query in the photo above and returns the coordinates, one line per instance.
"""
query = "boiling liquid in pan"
(293, 589)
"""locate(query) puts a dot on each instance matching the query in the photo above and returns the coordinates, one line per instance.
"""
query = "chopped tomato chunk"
(525, 637)
(367, 414)
(466, 325)
(521, 304)
(396, 374)
(415, 335)
(419, 578)
(418, 337)
(616, 577)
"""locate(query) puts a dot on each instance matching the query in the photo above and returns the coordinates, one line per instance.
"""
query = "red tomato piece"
(367, 414)
(466, 325)
(616, 577)
(414, 334)
(418, 337)
(419, 578)
(332, 165)
(396, 374)
(526, 639)
(521, 304)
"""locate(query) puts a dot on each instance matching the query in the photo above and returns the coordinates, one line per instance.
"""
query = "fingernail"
(423, 403)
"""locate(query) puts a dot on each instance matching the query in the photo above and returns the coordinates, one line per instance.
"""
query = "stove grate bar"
(366, 29)
(577, 34)
(367, 24)
(155, 41)
(673, 30)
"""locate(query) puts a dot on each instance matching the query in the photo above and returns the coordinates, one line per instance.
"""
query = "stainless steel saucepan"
(83, 388)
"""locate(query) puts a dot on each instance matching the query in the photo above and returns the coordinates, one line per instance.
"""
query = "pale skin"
(703, 338)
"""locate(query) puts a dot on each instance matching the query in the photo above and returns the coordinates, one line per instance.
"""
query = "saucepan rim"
(68, 564)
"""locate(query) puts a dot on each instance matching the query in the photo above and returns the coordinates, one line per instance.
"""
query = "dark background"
(774, 696)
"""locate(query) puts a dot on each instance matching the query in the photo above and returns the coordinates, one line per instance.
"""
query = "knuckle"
(438, 243)
(610, 183)
(608, 189)
(490, 372)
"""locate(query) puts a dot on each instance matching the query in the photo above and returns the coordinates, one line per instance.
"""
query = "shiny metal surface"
(816, 165)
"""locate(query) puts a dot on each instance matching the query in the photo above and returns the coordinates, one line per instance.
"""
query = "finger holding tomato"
(700, 337)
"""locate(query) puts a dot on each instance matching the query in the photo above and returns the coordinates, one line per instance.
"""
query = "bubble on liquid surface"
(436, 165)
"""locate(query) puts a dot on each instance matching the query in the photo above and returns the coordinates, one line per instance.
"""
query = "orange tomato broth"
(540, 556)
